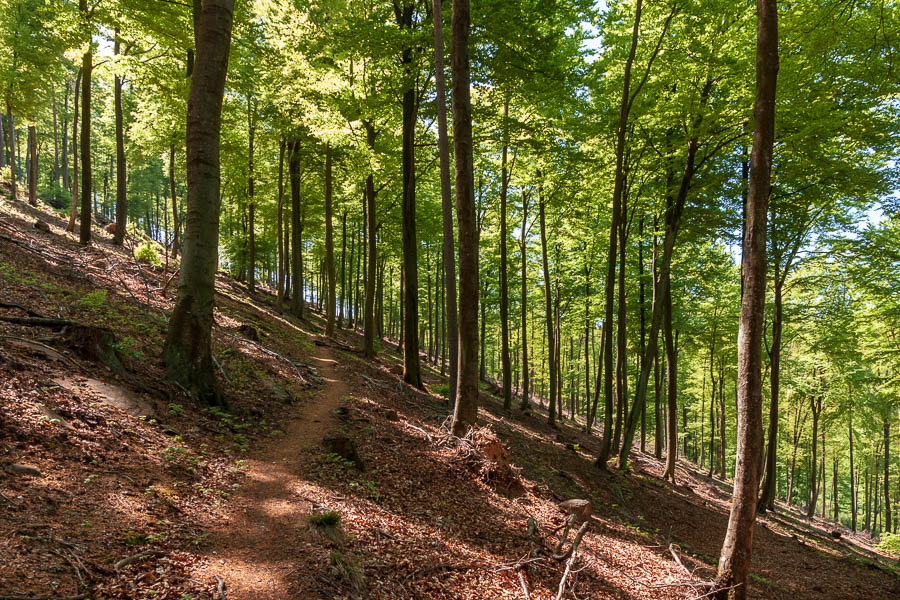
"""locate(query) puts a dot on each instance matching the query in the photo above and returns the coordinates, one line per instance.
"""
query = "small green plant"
(147, 253)
(134, 538)
(347, 568)
(90, 478)
(93, 300)
(327, 524)
(175, 409)
(86, 524)
(890, 542)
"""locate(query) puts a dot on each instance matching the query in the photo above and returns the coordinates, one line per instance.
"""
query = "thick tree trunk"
(188, 350)
(466, 408)
(121, 174)
(84, 234)
(446, 202)
(329, 247)
(734, 562)
(32, 165)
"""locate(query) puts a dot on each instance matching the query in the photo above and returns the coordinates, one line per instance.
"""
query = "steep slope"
(115, 485)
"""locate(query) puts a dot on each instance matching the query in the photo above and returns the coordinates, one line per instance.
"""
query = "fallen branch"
(675, 556)
(137, 557)
(27, 311)
(38, 321)
(265, 350)
(221, 370)
(220, 587)
(78, 597)
(522, 581)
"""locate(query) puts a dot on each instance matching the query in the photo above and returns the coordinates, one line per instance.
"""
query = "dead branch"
(14, 597)
(38, 321)
(27, 311)
(220, 587)
(522, 581)
(137, 557)
(672, 550)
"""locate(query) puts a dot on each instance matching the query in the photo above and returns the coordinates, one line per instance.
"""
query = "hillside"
(116, 485)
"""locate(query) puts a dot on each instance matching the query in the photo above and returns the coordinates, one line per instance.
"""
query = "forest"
(650, 245)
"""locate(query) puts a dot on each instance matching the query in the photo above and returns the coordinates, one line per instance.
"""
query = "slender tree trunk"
(121, 173)
(672, 395)
(371, 255)
(84, 236)
(504, 288)
(55, 137)
(734, 562)
(887, 470)
(767, 500)
(466, 408)
(279, 302)
(548, 310)
(446, 202)
(296, 256)
(188, 349)
(251, 200)
(813, 489)
(73, 213)
(340, 319)
(12, 148)
(32, 165)
(174, 199)
(329, 247)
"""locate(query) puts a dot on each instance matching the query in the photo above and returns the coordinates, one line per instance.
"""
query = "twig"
(19, 307)
(672, 549)
(221, 370)
(220, 587)
(522, 581)
(137, 557)
(78, 597)
(562, 582)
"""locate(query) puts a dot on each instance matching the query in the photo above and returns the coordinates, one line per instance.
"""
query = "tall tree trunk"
(188, 349)
(767, 500)
(296, 230)
(504, 288)
(466, 408)
(73, 213)
(734, 563)
(329, 247)
(55, 137)
(411, 368)
(618, 186)
(641, 298)
(279, 302)
(672, 394)
(340, 319)
(371, 257)
(887, 470)
(121, 175)
(32, 165)
(251, 201)
(65, 139)
(446, 201)
(175, 223)
(12, 148)
(815, 407)
(548, 310)
(84, 234)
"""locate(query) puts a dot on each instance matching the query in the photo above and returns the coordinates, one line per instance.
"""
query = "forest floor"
(113, 484)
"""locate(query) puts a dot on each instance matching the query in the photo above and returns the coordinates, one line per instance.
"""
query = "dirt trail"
(254, 551)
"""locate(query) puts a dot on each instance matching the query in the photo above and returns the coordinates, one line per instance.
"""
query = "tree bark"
(887, 470)
(55, 137)
(251, 201)
(188, 350)
(32, 165)
(329, 247)
(296, 230)
(618, 185)
(340, 319)
(446, 202)
(121, 174)
(466, 408)
(371, 257)
(767, 500)
(548, 310)
(84, 234)
(12, 148)
(734, 562)
(73, 213)
(504, 288)
(672, 394)
(279, 218)
(175, 223)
